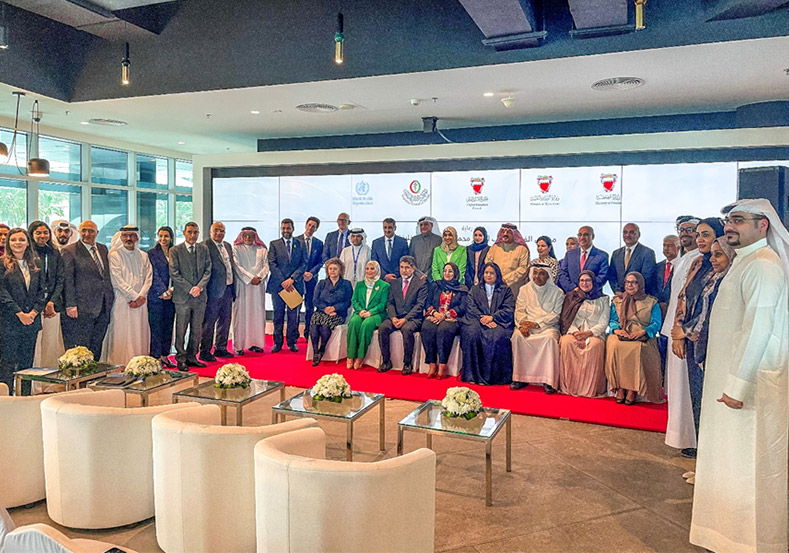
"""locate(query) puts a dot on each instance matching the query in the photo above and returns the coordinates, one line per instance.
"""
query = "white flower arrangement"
(142, 366)
(461, 402)
(232, 375)
(76, 358)
(331, 387)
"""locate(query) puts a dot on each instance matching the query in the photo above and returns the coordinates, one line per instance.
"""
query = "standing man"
(287, 261)
(511, 254)
(586, 257)
(314, 252)
(221, 293)
(663, 273)
(633, 256)
(423, 244)
(407, 297)
(337, 239)
(129, 333)
(49, 344)
(388, 249)
(87, 291)
(249, 310)
(190, 271)
(65, 233)
(740, 495)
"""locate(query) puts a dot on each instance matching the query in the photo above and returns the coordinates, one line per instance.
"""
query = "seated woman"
(445, 307)
(632, 361)
(449, 252)
(535, 343)
(332, 300)
(486, 330)
(583, 323)
(369, 309)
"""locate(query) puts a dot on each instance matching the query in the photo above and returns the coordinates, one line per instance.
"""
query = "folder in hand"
(292, 299)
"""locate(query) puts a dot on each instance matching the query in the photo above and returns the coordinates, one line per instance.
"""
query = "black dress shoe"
(385, 366)
(548, 389)
(223, 353)
(316, 359)
(276, 349)
(688, 452)
(294, 348)
(255, 349)
(195, 363)
(167, 363)
(182, 366)
(207, 357)
(239, 353)
(407, 369)
(518, 385)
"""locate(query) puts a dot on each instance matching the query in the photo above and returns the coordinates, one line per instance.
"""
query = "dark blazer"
(502, 306)
(217, 283)
(399, 249)
(15, 297)
(596, 261)
(412, 306)
(337, 296)
(457, 305)
(315, 258)
(84, 286)
(283, 267)
(471, 270)
(161, 273)
(642, 260)
(186, 273)
(662, 293)
(54, 269)
(330, 244)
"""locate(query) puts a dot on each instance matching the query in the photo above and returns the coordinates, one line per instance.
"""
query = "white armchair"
(98, 461)
(3, 389)
(336, 347)
(308, 504)
(22, 453)
(203, 477)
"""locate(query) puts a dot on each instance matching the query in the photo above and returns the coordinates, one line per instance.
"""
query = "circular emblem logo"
(415, 186)
(362, 188)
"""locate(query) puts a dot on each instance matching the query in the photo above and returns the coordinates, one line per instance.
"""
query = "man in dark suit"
(221, 293)
(314, 252)
(407, 297)
(287, 261)
(338, 239)
(388, 249)
(87, 291)
(190, 271)
(663, 273)
(633, 256)
(583, 258)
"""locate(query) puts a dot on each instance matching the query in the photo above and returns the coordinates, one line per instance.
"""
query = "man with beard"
(313, 249)
(64, 232)
(511, 254)
(49, 345)
(422, 246)
(287, 261)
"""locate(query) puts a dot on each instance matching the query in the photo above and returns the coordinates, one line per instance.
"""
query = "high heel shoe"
(442, 371)
(619, 399)
(349, 364)
(432, 372)
(358, 364)
(629, 400)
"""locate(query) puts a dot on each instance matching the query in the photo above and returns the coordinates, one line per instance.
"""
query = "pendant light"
(339, 38)
(3, 28)
(125, 68)
(36, 166)
(640, 25)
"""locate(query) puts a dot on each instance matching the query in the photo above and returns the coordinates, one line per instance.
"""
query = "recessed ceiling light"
(181, 142)
(254, 112)
(84, 122)
(488, 94)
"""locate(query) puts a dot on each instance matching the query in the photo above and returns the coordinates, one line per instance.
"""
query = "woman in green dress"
(449, 252)
(369, 309)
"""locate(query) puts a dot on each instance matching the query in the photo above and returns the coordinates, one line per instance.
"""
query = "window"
(151, 214)
(109, 166)
(152, 172)
(64, 158)
(18, 160)
(59, 201)
(183, 214)
(13, 202)
(183, 176)
(109, 210)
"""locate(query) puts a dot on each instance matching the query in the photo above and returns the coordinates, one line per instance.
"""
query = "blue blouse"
(655, 320)
(338, 296)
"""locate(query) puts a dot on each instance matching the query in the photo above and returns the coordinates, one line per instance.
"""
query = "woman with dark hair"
(486, 331)
(445, 308)
(476, 253)
(546, 257)
(3, 235)
(22, 299)
(583, 322)
(49, 344)
(161, 310)
(332, 300)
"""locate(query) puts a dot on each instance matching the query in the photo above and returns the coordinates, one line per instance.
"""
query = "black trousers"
(437, 340)
(86, 330)
(408, 330)
(280, 309)
(188, 315)
(309, 309)
(161, 317)
(216, 323)
(319, 334)
(18, 349)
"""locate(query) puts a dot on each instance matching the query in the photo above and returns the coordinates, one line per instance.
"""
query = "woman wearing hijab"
(161, 310)
(49, 344)
(535, 343)
(632, 363)
(356, 256)
(583, 322)
(369, 309)
(22, 299)
(486, 330)
(546, 257)
(449, 252)
(445, 308)
(475, 256)
(332, 300)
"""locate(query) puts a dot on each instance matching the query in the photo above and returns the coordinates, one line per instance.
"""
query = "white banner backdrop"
(476, 195)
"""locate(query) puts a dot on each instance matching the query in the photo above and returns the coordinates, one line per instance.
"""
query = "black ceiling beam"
(506, 24)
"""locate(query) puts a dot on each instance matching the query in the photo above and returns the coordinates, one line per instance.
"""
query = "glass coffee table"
(302, 405)
(70, 379)
(144, 387)
(234, 397)
(427, 418)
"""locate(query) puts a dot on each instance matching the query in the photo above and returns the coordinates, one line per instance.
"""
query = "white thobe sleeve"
(520, 306)
(261, 267)
(147, 275)
(761, 289)
(119, 283)
(549, 318)
(245, 276)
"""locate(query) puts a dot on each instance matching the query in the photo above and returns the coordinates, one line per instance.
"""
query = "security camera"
(509, 101)
(415, 101)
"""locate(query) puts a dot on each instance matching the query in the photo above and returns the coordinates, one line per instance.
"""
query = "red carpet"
(294, 370)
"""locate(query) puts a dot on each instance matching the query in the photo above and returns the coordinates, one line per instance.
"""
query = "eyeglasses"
(585, 280)
(738, 220)
(631, 282)
(687, 230)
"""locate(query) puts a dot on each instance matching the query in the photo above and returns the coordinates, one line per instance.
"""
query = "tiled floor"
(573, 487)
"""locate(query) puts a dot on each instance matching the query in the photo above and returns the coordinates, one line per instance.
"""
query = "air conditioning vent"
(108, 122)
(316, 108)
(618, 83)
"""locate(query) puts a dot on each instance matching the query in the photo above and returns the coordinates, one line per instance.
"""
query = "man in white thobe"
(356, 256)
(129, 333)
(681, 428)
(249, 310)
(740, 496)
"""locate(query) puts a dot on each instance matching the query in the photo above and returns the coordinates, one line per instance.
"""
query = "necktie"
(389, 248)
(627, 258)
(96, 260)
(340, 242)
(309, 247)
(583, 259)
(405, 288)
(287, 244)
(666, 273)
(192, 249)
